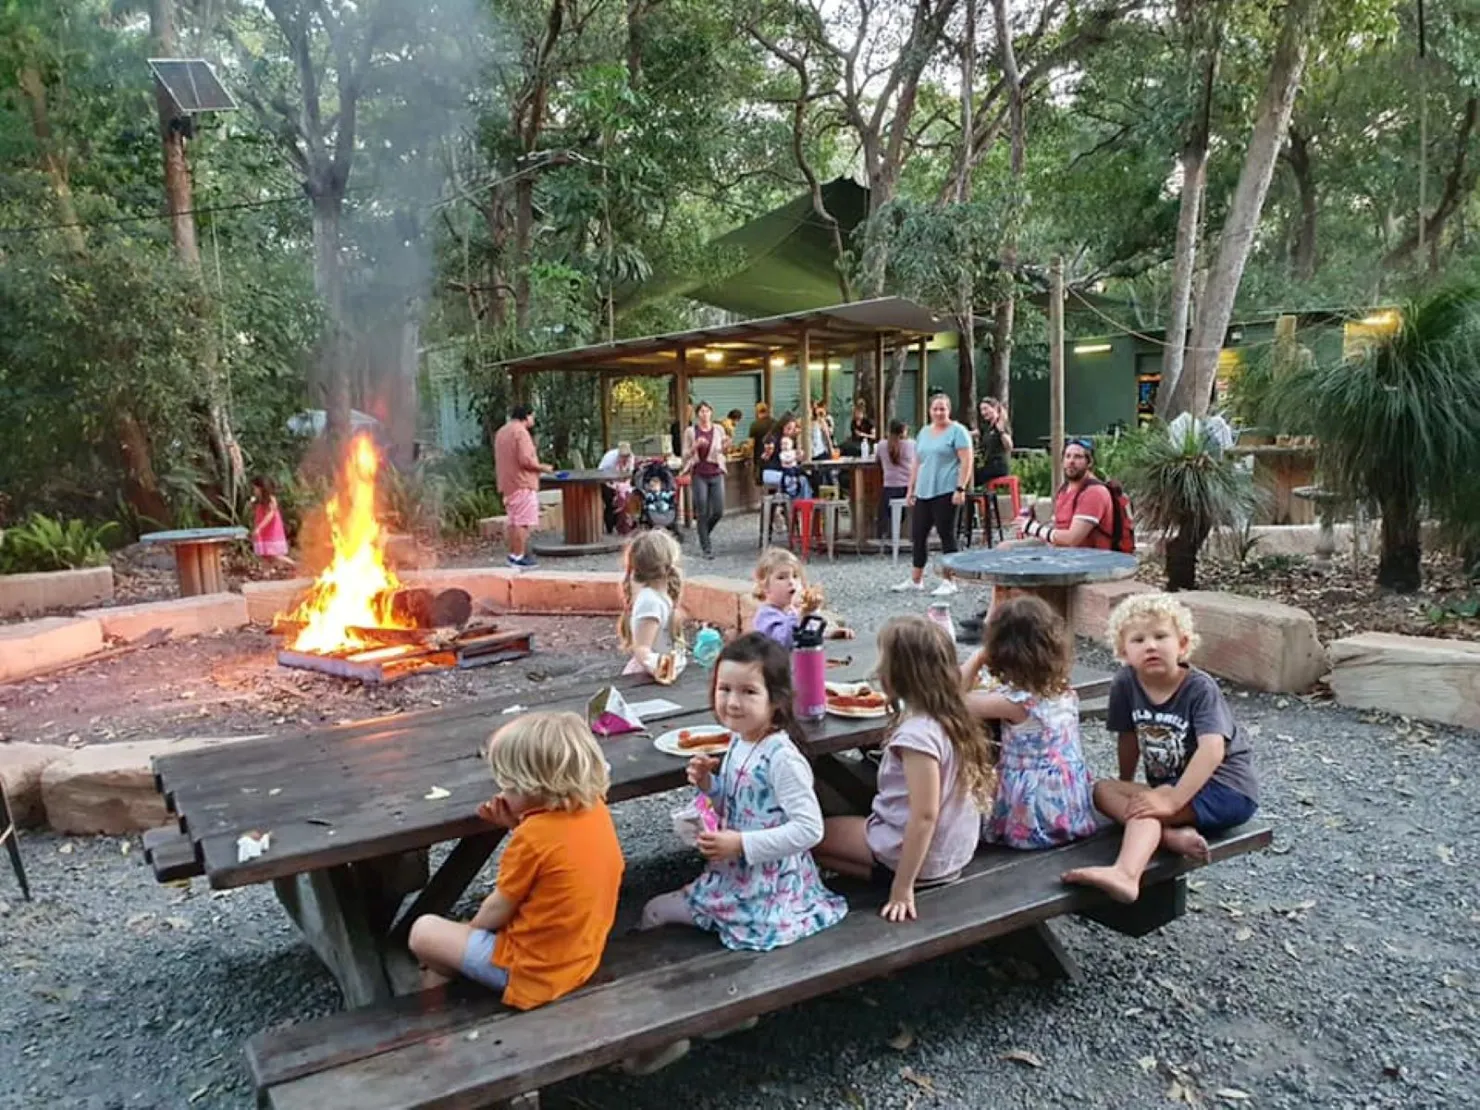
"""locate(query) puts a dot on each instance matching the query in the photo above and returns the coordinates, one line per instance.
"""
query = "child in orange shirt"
(541, 933)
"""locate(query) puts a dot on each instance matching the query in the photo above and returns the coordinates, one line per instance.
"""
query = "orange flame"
(354, 589)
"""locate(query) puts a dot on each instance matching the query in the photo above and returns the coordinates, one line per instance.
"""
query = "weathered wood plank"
(601, 1025)
(458, 870)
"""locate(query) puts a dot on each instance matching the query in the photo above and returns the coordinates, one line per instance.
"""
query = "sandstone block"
(487, 585)
(181, 616)
(714, 600)
(109, 789)
(1261, 644)
(56, 589)
(266, 600)
(38, 645)
(1095, 601)
(20, 769)
(555, 591)
(1416, 676)
(493, 528)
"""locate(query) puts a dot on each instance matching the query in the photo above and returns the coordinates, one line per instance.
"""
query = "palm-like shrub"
(1399, 424)
(1182, 486)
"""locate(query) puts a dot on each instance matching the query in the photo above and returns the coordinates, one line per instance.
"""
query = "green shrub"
(43, 544)
(1034, 472)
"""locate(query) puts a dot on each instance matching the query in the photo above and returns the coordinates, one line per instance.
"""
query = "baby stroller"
(659, 491)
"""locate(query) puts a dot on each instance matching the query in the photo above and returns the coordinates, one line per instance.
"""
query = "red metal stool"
(803, 515)
(1013, 489)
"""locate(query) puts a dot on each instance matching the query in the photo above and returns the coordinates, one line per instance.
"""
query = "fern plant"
(43, 543)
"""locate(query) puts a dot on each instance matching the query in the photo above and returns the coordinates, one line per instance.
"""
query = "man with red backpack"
(1087, 511)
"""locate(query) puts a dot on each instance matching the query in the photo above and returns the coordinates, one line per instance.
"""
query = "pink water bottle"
(809, 669)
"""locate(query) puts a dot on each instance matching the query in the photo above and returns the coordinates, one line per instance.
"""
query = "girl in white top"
(650, 626)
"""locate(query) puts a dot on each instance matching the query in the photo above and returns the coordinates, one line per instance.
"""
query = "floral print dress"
(766, 905)
(1044, 792)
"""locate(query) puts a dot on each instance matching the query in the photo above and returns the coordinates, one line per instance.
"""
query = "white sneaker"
(907, 585)
(945, 589)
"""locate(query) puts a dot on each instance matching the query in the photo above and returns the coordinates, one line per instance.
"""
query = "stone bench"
(1415, 676)
(34, 646)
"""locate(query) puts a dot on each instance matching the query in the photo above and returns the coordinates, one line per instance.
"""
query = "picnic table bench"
(352, 813)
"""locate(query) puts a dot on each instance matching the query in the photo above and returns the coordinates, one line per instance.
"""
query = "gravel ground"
(1337, 970)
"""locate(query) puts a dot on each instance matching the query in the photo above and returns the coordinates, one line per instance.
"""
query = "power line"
(145, 218)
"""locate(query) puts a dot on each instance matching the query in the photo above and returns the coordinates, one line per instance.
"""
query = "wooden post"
(804, 378)
(922, 387)
(881, 418)
(680, 395)
(1056, 370)
(606, 411)
(768, 384)
(826, 382)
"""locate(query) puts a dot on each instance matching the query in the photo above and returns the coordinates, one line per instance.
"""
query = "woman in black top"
(861, 431)
(994, 442)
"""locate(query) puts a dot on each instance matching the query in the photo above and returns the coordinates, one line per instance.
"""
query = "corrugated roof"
(744, 347)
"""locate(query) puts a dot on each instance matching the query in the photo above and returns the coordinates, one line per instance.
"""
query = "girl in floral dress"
(761, 888)
(1044, 792)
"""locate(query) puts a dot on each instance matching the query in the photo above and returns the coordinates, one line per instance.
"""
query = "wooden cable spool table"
(197, 554)
(1047, 572)
(580, 505)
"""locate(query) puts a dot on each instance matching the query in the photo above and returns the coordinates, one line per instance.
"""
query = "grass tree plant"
(1182, 486)
(1399, 423)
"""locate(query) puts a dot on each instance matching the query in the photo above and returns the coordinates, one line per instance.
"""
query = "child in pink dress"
(269, 538)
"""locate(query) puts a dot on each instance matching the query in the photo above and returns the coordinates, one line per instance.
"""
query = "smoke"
(419, 107)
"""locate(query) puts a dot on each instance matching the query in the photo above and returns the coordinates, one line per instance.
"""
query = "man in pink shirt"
(518, 468)
(1083, 510)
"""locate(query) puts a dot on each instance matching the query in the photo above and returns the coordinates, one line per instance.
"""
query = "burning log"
(418, 607)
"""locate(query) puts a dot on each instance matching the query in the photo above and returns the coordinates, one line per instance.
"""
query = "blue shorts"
(477, 962)
(1218, 807)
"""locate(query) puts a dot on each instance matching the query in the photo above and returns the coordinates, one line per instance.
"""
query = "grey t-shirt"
(1167, 733)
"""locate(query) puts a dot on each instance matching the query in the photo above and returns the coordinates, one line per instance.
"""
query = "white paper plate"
(668, 742)
(852, 690)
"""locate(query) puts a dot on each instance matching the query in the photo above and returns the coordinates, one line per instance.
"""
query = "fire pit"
(359, 622)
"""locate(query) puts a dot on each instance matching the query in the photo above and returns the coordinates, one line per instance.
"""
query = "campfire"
(359, 621)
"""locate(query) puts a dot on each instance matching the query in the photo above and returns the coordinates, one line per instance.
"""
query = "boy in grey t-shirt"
(1174, 720)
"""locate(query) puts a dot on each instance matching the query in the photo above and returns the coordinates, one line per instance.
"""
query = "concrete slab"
(182, 616)
(266, 600)
(556, 591)
(20, 769)
(1415, 676)
(1261, 644)
(32, 646)
(109, 789)
(21, 594)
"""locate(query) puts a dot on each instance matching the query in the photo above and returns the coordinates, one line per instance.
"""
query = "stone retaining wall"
(24, 594)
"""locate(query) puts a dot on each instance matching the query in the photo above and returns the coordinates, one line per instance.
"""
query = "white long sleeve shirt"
(791, 782)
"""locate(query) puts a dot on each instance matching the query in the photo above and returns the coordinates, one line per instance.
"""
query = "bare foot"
(1118, 885)
(1186, 841)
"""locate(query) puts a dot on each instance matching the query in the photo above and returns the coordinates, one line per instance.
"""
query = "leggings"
(709, 505)
(937, 513)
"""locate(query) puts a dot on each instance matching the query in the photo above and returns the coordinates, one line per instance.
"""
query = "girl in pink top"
(935, 773)
(896, 458)
(269, 538)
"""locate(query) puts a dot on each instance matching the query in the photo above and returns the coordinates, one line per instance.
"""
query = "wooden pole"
(681, 395)
(768, 385)
(606, 411)
(826, 382)
(922, 387)
(1056, 370)
(804, 378)
(881, 418)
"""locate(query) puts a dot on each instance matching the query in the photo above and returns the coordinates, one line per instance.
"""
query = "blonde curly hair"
(1141, 609)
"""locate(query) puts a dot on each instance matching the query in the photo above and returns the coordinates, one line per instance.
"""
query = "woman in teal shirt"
(938, 484)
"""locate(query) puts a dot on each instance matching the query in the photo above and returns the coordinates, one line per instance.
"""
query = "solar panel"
(192, 85)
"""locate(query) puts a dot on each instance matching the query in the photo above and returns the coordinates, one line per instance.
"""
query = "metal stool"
(8, 838)
(807, 511)
(897, 507)
(770, 503)
(991, 517)
(1011, 484)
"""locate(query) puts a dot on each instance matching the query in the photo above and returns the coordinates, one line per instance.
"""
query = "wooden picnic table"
(580, 506)
(197, 553)
(352, 810)
(1047, 572)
